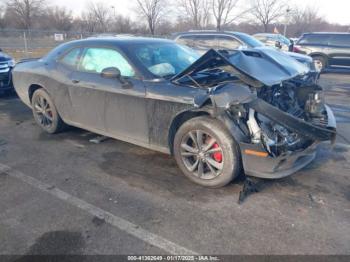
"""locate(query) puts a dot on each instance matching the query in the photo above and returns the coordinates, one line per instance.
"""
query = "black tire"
(46, 116)
(320, 63)
(230, 165)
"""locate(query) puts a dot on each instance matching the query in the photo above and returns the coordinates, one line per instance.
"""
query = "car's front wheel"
(206, 152)
(45, 112)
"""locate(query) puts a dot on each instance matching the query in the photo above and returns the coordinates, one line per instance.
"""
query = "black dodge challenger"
(252, 111)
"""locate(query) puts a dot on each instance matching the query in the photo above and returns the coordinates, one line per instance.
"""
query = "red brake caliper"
(217, 155)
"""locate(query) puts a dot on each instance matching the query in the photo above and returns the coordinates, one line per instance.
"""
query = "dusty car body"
(217, 114)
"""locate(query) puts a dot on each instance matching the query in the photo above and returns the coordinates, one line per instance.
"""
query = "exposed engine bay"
(281, 109)
(303, 102)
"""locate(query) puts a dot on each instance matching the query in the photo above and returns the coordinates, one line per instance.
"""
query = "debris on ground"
(98, 139)
(250, 186)
(317, 200)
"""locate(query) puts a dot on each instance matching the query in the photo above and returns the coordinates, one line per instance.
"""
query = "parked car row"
(6, 66)
(252, 110)
(202, 41)
(276, 40)
(325, 49)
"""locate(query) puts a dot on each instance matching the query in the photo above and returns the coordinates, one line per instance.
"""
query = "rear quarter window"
(185, 40)
(261, 38)
(314, 40)
(206, 42)
(340, 40)
(229, 43)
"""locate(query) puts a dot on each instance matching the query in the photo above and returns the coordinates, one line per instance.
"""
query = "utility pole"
(25, 44)
(113, 7)
(286, 21)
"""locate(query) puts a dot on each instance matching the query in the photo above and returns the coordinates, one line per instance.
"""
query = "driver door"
(107, 104)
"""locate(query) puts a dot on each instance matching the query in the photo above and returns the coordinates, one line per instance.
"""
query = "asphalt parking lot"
(61, 194)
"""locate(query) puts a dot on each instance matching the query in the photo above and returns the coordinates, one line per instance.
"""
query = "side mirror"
(278, 44)
(111, 72)
(0, 50)
(291, 46)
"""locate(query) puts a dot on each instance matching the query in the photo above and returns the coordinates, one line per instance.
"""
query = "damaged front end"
(279, 113)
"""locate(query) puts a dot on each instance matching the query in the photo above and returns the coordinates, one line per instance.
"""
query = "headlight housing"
(11, 63)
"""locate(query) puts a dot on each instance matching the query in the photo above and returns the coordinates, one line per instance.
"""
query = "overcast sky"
(336, 11)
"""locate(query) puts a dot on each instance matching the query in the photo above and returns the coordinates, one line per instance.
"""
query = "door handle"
(75, 81)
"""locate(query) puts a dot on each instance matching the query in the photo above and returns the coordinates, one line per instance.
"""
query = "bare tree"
(152, 11)
(267, 11)
(2, 17)
(197, 11)
(123, 24)
(306, 20)
(87, 22)
(225, 12)
(24, 11)
(98, 15)
(59, 18)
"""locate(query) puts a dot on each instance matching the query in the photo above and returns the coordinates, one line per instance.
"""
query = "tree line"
(162, 17)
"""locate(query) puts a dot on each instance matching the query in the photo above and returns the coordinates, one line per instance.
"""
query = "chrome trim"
(5, 70)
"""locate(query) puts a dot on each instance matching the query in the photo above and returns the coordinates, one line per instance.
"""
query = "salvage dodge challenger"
(251, 111)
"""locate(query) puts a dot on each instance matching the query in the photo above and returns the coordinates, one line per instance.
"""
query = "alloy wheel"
(202, 155)
(43, 111)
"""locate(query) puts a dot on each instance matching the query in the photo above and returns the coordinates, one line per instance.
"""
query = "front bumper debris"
(266, 166)
(275, 167)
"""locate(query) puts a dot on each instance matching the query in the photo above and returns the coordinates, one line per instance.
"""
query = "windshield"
(165, 59)
(250, 41)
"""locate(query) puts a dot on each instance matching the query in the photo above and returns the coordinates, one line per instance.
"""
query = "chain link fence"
(22, 44)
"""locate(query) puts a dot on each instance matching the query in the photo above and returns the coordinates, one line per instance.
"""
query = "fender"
(319, 54)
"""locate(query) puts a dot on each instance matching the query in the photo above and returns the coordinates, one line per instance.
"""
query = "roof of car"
(327, 33)
(266, 34)
(123, 40)
(194, 32)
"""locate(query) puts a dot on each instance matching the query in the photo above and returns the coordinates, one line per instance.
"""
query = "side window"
(317, 39)
(206, 42)
(340, 40)
(96, 59)
(261, 38)
(229, 43)
(186, 40)
(71, 58)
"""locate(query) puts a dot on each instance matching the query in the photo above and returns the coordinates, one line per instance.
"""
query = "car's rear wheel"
(45, 112)
(206, 153)
(320, 63)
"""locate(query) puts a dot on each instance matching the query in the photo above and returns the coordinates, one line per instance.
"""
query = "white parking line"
(120, 223)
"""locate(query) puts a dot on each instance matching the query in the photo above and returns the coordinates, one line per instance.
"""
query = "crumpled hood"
(253, 66)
